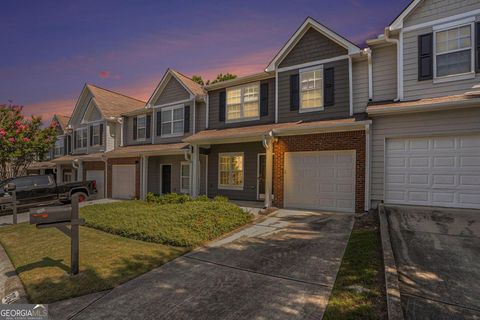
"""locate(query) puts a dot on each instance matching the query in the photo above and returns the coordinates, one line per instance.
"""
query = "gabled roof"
(306, 25)
(62, 120)
(196, 90)
(397, 23)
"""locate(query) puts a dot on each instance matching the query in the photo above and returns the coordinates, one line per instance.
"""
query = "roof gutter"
(349, 126)
(450, 105)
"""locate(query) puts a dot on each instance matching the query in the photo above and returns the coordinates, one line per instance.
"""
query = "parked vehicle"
(42, 190)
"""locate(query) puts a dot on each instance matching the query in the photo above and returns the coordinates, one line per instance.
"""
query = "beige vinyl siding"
(128, 132)
(429, 10)
(110, 135)
(384, 72)
(173, 91)
(311, 47)
(154, 172)
(360, 86)
(414, 89)
(251, 151)
(80, 111)
(341, 108)
(93, 113)
(429, 123)
(214, 99)
(200, 116)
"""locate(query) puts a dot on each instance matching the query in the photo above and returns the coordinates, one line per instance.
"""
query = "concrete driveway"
(281, 267)
(437, 252)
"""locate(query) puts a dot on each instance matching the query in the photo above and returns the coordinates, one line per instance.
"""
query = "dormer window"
(311, 89)
(454, 54)
(243, 103)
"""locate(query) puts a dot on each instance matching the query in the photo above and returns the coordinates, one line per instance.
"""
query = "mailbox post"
(11, 188)
(60, 217)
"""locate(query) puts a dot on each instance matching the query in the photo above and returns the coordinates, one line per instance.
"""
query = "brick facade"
(117, 161)
(350, 140)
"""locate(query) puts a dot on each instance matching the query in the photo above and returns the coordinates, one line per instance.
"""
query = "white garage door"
(98, 176)
(434, 171)
(123, 181)
(320, 180)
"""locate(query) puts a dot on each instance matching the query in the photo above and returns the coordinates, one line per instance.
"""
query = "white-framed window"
(243, 103)
(96, 135)
(185, 177)
(172, 121)
(141, 127)
(311, 89)
(230, 170)
(454, 52)
(81, 138)
(59, 146)
(67, 177)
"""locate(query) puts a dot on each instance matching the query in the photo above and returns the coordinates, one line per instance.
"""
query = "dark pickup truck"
(40, 190)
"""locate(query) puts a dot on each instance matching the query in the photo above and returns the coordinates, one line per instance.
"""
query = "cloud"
(47, 109)
(104, 74)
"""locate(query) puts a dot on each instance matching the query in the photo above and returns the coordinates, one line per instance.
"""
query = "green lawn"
(186, 225)
(361, 268)
(42, 260)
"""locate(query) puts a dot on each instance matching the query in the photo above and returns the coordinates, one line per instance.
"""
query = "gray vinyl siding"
(159, 139)
(154, 177)
(360, 86)
(110, 134)
(173, 91)
(384, 73)
(340, 109)
(311, 47)
(80, 111)
(429, 10)
(97, 148)
(414, 89)
(203, 174)
(429, 123)
(251, 151)
(128, 132)
(200, 116)
(213, 118)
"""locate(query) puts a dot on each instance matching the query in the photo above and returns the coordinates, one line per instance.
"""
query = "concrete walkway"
(281, 267)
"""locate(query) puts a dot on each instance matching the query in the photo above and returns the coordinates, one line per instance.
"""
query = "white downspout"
(350, 84)
(194, 116)
(267, 142)
(368, 157)
(370, 74)
(396, 42)
(207, 100)
(276, 96)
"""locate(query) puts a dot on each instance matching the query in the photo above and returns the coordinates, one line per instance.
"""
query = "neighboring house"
(94, 128)
(154, 157)
(294, 135)
(62, 147)
(426, 115)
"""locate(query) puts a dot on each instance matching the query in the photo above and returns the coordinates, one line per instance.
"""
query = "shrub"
(202, 198)
(220, 199)
(170, 198)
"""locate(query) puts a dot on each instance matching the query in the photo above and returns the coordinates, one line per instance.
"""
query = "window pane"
(237, 163)
(23, 182)
(224, 177)
(185, 170)
(234, 112)
(454, 63)
(185, 183)
(250, 110)
(167, 128)
(178, 114)
(250, 94)
(234, 96)
(166, 115)
(41, 181)
(141, 133)
(237, 178)
(178, 127)
(311, 89)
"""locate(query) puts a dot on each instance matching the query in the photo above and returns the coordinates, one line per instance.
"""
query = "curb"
(394, 306)
(11, 288)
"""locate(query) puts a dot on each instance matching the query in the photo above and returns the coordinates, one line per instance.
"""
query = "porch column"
(59, 174)
(144, 177)
(80, 171)
(269, 174)
(195, 170)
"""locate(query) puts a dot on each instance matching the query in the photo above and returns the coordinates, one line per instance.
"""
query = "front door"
(262, 162)
(166, 179)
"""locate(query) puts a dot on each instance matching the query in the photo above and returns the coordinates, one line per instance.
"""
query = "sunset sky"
(49, 49)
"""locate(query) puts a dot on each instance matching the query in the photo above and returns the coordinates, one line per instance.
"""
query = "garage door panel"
(446, 174)
(326, 182)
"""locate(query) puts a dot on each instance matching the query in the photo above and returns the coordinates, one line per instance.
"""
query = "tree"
(22, 141)
(223, 77)
(198, 79)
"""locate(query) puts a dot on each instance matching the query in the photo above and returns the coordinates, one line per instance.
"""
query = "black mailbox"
(50, 215)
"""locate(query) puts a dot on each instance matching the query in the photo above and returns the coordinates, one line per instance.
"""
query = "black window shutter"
(425, 57)
(186, 119)
(134, 128)
(91, 135)
(294, 92)
(264, 99)
(101, 134)
(329, 87)
(222, 97)
(75, 139)
(65, 145)
(477, 46)
(148, 126)
(159, 123)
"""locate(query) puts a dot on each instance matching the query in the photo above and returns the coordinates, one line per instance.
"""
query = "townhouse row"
(326, 126)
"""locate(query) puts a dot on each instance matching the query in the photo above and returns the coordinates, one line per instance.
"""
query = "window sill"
(242, 120)
(456, 77)
(240, 188)
(172, 135)
(310, 110)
